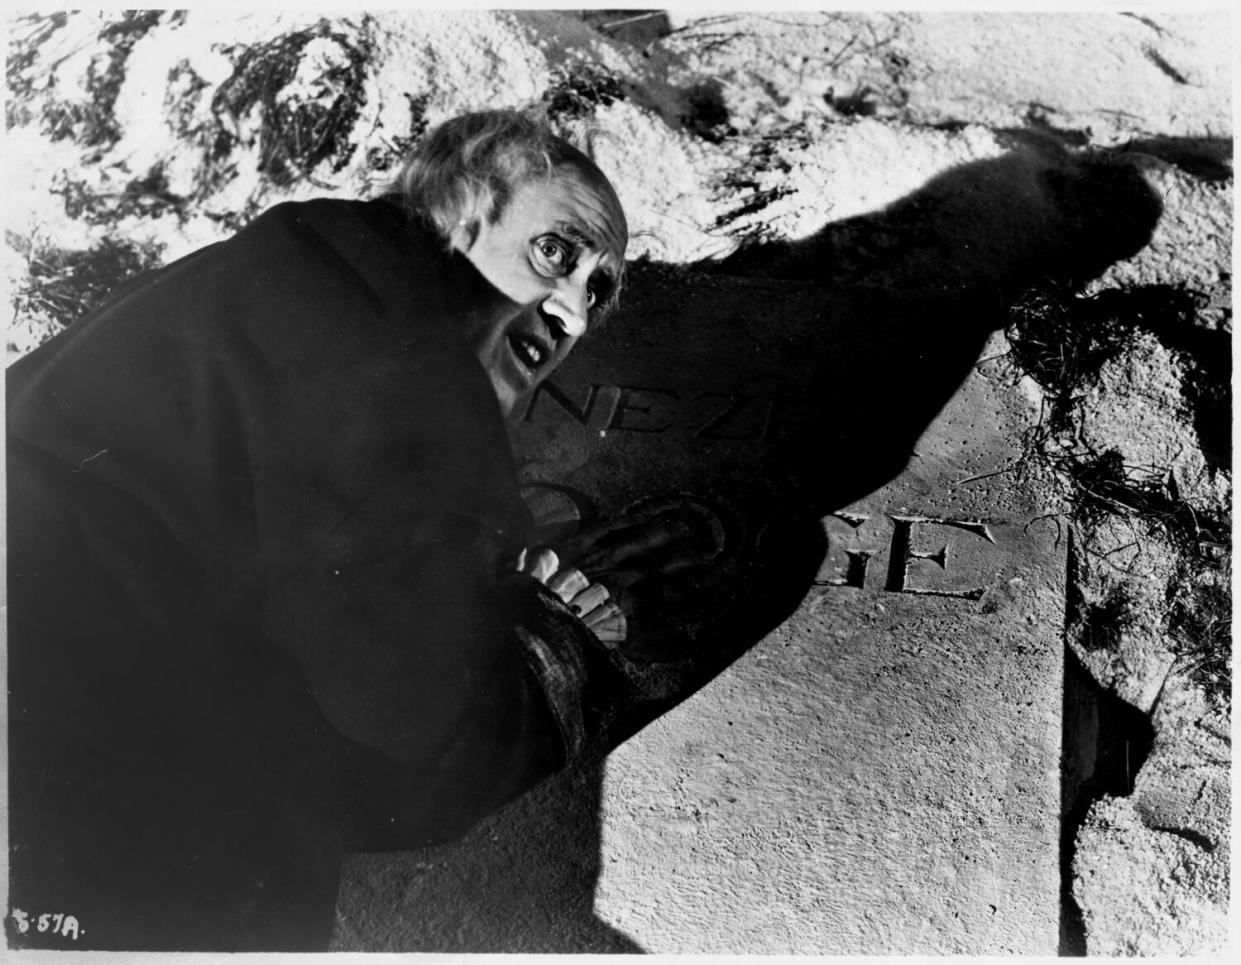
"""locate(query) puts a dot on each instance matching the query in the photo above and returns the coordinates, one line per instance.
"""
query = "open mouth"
(530, 351)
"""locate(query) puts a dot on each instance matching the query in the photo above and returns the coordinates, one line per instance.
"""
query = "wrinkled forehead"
(598, 204)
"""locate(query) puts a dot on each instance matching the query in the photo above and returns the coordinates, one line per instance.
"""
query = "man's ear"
(464, 234)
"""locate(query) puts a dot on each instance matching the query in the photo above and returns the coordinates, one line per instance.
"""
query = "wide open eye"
(551, 255)
(599, 289)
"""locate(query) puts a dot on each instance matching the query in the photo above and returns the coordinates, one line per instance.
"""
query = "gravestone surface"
(860, 751)
(878, 769)
(881, 772)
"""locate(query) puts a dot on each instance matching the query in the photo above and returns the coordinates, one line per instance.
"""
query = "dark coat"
(257, 503)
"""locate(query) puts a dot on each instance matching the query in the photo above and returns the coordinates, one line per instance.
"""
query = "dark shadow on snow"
(1105, 743)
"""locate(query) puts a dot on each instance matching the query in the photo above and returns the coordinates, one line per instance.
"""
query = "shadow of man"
(755, 395)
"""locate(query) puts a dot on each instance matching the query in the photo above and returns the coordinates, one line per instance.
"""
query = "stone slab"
(881, 773)
(865, 756)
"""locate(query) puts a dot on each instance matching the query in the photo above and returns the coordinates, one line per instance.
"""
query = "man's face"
(555, 254)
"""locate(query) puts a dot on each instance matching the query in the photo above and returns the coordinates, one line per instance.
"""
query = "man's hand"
(591, 601)
(645, 570)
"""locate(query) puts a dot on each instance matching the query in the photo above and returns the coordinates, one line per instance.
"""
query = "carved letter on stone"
(712, 429)
(903, 554)
(771, 429)
(859, 559)
(581, 416)
(558, 508)
(625, 405)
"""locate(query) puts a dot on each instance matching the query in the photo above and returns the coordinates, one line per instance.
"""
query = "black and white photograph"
(618, 481)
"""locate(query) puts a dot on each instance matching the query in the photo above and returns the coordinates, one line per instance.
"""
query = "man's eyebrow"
(586, 236)
(575, 231)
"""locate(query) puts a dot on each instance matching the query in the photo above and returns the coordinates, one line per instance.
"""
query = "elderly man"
(263, 523)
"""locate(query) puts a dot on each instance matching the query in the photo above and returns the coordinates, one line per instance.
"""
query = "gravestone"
(881, 772)
(860, 751)
(863, 751)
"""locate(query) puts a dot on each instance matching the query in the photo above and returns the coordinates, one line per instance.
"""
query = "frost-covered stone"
(1139, 406)
(1123, 570)
(1144, 891)
(1192, 244)
(1183, 786)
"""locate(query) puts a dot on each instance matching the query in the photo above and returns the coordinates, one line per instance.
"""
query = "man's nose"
(568, 305)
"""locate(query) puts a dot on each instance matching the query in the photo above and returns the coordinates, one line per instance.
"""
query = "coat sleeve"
(273, 444)
(472, 688)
